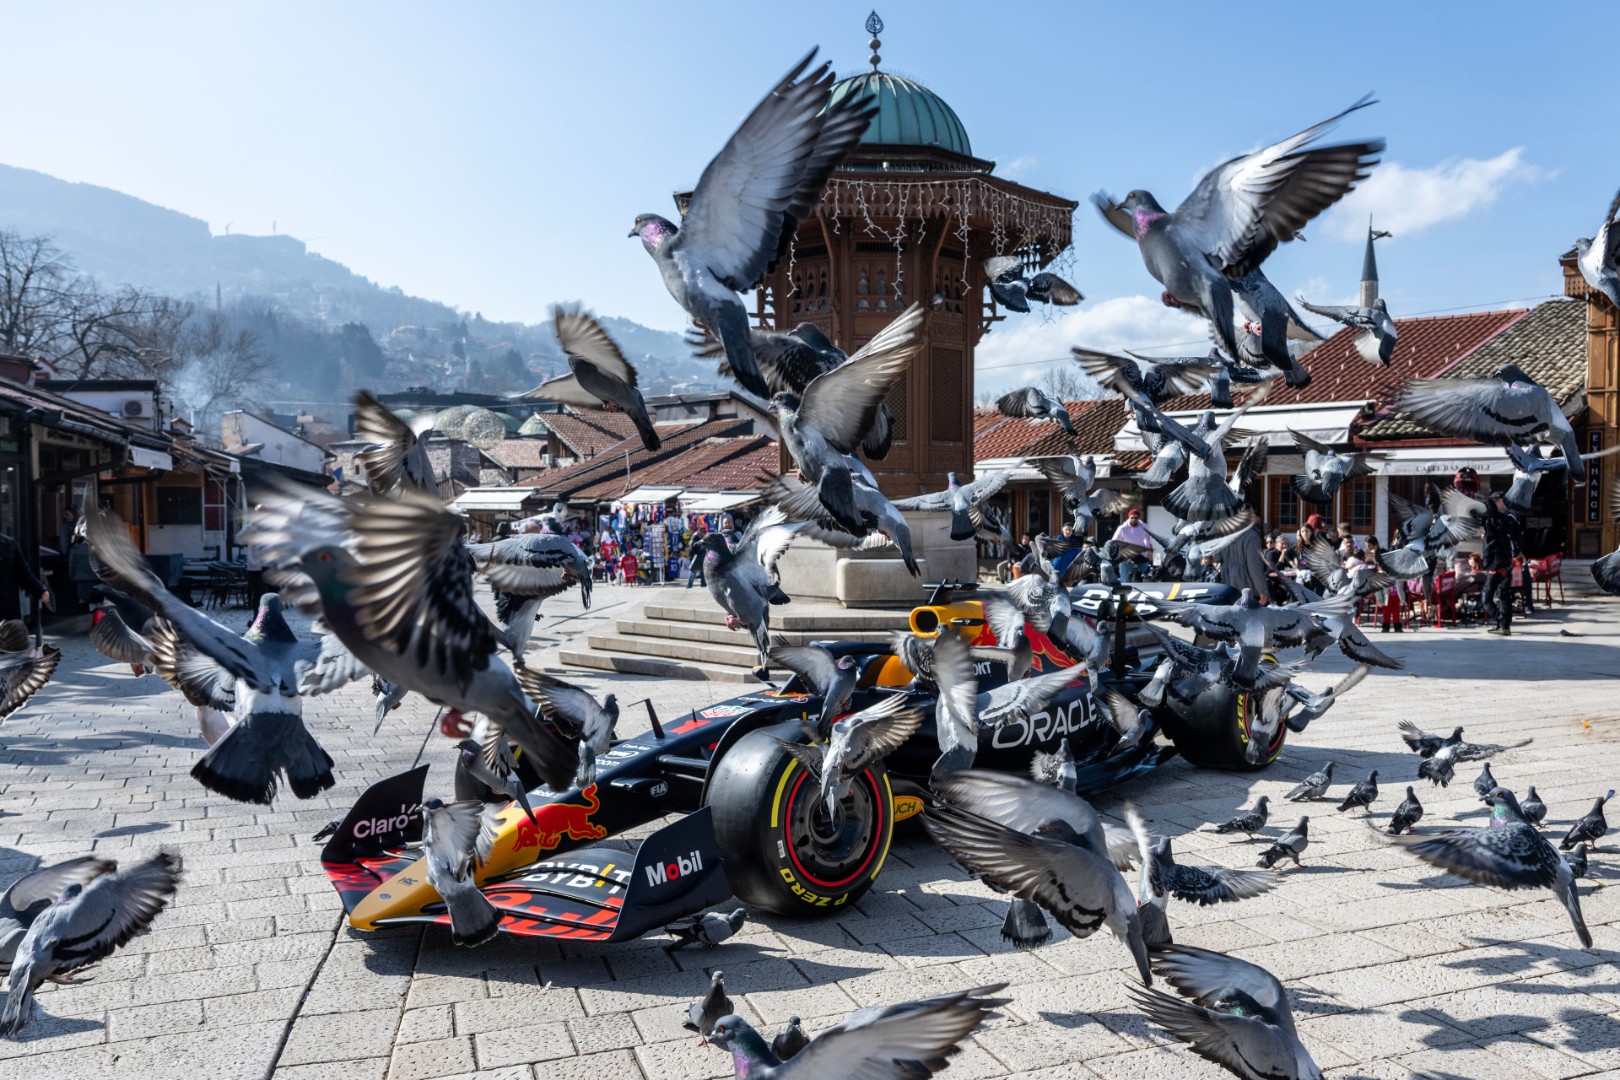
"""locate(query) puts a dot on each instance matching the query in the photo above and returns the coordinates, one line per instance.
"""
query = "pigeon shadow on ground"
(52, 750)
(133, 830)
(1513, 956)
(45, 1026)
(1444, 1027)
(821, 974)
(1593, 1032)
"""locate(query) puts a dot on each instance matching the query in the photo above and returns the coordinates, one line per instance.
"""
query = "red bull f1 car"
(749, 820)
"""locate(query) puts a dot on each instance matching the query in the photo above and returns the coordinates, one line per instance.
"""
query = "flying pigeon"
(393, 581)
(1363, 794)
(1313, 786)
(1236, 217)
(1235, 1014)
(122, 631)
(1312, 706)
(1599, 256)
(706, 1012)
(1532, 807)
(708, 929)
(456, 838)
(1326, 471)
(1022, 805)
(1250, 822)
(1190, 532)
(911, 1041)
(1376, 339)
(1196, 669)
(837, 410)
(858, 741)
(22, 676)
(523, 570)
(1511, 406)
(1514, 856)
(1606, 571)
(1206, 495)
(1168, 458)
(83, 923)
(740, 583)
(958, 500)
(1131, 722)
(1264, 323)
(1406, 814)
(1056, 867)
(830, 678)
(1014, 289)
(599, 376)
(498, 779)
(1289, 846)
(749, 202)
(397, 458)
(790, 1040)
(1033, 403)
(1589, 828)
(800, 506)
(1224, 372)
(1251, 624)
(34, 893)
(1484, 783)
(576, 713)
(1204, 885)
(789, 360)
(1056, 769)
(1124, 374)
(1009, 624)
(1427, 743)
(1072, 476)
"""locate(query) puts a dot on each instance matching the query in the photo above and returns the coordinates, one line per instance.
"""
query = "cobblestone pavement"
(1395, 969)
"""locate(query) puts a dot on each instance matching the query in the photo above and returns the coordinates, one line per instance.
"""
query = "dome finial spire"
(874, 26)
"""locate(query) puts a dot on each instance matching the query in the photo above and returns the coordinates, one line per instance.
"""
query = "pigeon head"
(434, 803)
(1372, 777)
(1501, 796)
(469, 751)
(747, 1046)
(736, 919)
(1144, 209)
(1583, 245)
(1161, 850)
(845, 663)
(783, 403)
(1304, 825)
(1263, 802)
(325, 565)
(1513, 373)
(610, 704)
(268, 624)
(653, 230)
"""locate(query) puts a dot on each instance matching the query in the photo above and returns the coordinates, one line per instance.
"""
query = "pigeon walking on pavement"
(1249, 822)
(1406, 815)
(1513, 856)
(1590, 828)
(455, 839)
(749, 202)
(1599, 256)
(1511, 406)
(790, 1040)
(1363, 794)
(1230, 1011)
(1035, 404)
(708, 929)
(599, 377)
(1237, 216)
(1532, 807)
(1313, 786)
(1013, 288)
(83, 923)
(1484, 783)
(910, 1041)
(704, 1013)
(1290, 845)
(1375, 341)
(1577, 861)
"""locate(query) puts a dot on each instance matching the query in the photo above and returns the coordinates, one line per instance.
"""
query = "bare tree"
(33, 275)
(1066, 382)
(224, 367)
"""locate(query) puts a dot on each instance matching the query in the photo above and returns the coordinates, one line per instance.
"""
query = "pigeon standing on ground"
(790, 1040)
(1589, 828)
(1532, 807)
(1237, 216)
(739, 582)
(1484, 783)
(1406, 815)
(1326, 471)
(1204, 885)
(1508, 407)
(1513, 856)
(34, 893)
(1577, 861)
(704, 1013)
(1033, 403)
(1376, 339)
(455, 840)
(1013, 289)
(708, 929)
(749, 202)
(599, 376)
(1235, 1014)
(911, 1041)
(1251, 822)
(1290, 845)
(82, 924)
(1599, 256)
(1313, 786)
(1363, 794)
(575, 712)
(837, 410)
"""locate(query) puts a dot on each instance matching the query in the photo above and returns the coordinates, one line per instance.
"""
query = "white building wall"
(280, 446)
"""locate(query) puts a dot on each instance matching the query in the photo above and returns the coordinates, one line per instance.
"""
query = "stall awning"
(647, 495)
(1326, 423)
(150, 459)
(713, 502)
(1441, 460)
(493, 498)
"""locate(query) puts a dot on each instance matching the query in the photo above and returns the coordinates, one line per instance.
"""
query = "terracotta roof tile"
(587, 435)
(519, 453)
(1096, 422)
(609, 470)
(1549, 343)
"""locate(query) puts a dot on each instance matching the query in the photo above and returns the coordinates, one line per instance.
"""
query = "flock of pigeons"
(390, 580)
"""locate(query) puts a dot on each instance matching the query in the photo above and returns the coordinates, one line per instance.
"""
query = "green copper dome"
(908, 114)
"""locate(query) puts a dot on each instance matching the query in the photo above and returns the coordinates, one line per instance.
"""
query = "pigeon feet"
(454, 725)
(733, 623)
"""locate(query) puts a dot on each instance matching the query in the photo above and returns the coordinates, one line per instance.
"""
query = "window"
(1285, 515)
(179, 506)
(1358, 503)
(213, 505)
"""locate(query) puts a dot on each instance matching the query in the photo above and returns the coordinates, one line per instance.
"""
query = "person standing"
(1504, 537)
(17, 577)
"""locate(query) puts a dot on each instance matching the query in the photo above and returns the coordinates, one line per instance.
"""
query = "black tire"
(1214, 732)
(782, 853)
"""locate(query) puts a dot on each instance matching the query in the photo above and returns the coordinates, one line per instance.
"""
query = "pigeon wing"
(569, 707)
(202, 681)
(1243, 1045)
(113, 639)
(112, 909)
(1018, 803)
(1025, 401)
(1485, 410)
(1115, 214)
(893, 1042)
(49, 883)
(452, 835)
(565, 390)
(397, 458)
(581, 336)
(815, 665)
(1510, 858)
(1201, 975)
(843, 402)
(323, 664)
(880, 730)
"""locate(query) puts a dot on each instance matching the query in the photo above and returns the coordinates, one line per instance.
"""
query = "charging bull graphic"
(560, 819)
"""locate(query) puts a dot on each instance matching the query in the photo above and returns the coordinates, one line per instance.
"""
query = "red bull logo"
(558, 820)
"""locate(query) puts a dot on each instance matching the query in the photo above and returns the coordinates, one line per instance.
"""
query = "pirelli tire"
(782, 851)
(1216, 730)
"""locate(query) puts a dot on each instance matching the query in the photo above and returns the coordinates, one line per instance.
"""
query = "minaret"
(1369, 268)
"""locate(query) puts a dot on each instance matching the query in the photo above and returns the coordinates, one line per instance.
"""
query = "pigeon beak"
(523, 801)
(634, 232)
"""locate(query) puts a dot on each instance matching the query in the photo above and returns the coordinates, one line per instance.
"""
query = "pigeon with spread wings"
(1014, 288)
(599, 377)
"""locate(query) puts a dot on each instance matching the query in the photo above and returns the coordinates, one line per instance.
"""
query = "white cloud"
(1017, 167)
(1407, 200)
(1018, 351)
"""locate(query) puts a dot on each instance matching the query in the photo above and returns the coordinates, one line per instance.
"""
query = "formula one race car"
(751, 825)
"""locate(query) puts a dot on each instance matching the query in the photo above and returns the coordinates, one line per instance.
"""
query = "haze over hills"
(122, 240)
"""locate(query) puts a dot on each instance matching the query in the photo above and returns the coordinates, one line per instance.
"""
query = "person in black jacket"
(17, 576)
(1504, 537)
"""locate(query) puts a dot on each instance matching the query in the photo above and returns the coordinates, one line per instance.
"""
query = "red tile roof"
(590, 434)
(519, 453)
(741, 472)
(608, 470)
(1096, 422)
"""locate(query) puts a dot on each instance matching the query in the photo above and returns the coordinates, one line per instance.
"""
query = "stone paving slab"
(1394, 970)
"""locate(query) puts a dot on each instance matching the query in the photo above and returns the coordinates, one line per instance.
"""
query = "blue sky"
(493, 155)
